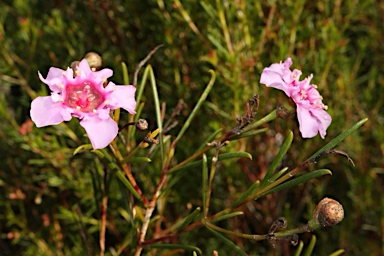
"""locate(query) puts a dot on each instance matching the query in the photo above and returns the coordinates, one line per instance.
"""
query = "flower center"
(84, 97)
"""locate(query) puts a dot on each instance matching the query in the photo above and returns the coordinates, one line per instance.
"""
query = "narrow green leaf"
(177, 246)
(126, 243)
(172, 181)
(156, 102)
(299, 249)
(138, 159)
(338, 252)
(125, 73)
(340, 138)
(227, 216)
(82, 148)
(127, 207)
(127, 184)
(279, 157)
(37, 162)
(248, 134)
(218, 45)
(104, 153)
(205, 180)
(54, 181)
(72, 215)
(140, 88)
(125, 214)
(63, 127)
(300, 179)
(311, 246)
(139, 109)
(271, 116)
(197, 106)
(99, 153)
(248, 192)
(209, 9)
(219, 111)
(221, 157)
(96, 190)
(277, 175)
(228, 242)
(190, 218)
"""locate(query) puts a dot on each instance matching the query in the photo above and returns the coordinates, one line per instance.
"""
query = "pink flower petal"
(104, 113)
(308, 124)
(100, 132)
(273, 79)
(287, 63)
(54, 77)
(67, 113)
(46, 112)
(54, 73)
(312, 117)
(324, 120)
(84, 68)
(279, 76)
(86, 71)
(83, 96)
(125, 97)
(103, 74)
(313, 121)
(69, 74)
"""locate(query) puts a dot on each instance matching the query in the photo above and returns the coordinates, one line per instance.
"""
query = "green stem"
(271, 116)
(103, 219)
(312, 225)
(189, 159)
(260, 192)
(149, 212)
(224, 26)
(247, 236)
(103, 224)
(128, 172)
(268, 118)
(189, 20)
(209, 191)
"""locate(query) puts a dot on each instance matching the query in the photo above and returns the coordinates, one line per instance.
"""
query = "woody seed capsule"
(94, 60)
(328, 212)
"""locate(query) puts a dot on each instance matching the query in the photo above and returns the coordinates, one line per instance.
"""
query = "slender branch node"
(150, 140)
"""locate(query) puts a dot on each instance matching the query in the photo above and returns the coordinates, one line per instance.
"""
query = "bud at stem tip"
(328, 212)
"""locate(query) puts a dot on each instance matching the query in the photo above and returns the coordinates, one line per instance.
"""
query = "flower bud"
(141, 124)
(328, 212)
(74, 66)
(94, 60)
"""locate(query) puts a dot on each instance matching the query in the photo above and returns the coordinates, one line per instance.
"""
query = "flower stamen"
(83, 96)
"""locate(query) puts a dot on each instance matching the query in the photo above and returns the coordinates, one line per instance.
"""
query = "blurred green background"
(47, 195)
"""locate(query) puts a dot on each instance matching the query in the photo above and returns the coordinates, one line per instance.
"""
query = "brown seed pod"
(94, 60)
(328, 212)
(141, 124)
(74, 66)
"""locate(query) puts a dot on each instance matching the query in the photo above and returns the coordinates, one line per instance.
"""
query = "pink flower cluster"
(310, 110)
(81, 93)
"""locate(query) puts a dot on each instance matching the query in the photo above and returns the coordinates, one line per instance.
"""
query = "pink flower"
(310, 110)
(83, 96)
